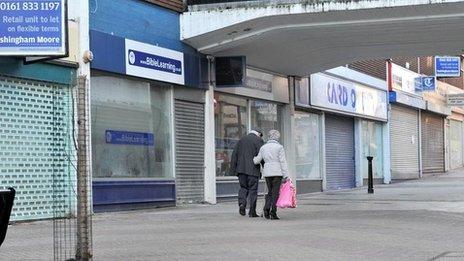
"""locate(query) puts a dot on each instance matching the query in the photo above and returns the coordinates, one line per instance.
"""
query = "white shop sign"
(348, 97)
(404, 79)
(153, 62)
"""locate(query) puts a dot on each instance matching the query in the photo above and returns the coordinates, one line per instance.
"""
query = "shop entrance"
(339, 146)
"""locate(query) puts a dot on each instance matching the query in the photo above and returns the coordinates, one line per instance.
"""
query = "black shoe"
(241, 210)
(274, 216)
(253, 214)
(266, 214)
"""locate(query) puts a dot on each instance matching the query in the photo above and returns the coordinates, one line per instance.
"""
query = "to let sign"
(447, 66)
(29, 28)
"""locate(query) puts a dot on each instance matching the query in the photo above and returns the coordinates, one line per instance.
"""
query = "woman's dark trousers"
(273, 188)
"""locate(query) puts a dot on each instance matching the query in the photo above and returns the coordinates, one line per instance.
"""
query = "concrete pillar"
(359, 160)
(210, 149)
(386, 150)
(288, 122)
(78, 11)
(323, 153)
(419, 140)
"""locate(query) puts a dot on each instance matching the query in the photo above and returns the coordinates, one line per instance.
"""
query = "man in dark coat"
(248, 173)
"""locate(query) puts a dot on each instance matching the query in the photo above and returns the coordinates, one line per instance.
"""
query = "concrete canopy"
(311, 40)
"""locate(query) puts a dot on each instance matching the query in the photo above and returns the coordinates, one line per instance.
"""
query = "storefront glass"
(307, 146)
(131, 129)
(232, 117)
(372, 145)
(265, 116)
(231, 123)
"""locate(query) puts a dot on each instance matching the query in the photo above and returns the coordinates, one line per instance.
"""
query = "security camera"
(88, 56)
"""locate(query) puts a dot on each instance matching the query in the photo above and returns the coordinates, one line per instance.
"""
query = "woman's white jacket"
(273, 155)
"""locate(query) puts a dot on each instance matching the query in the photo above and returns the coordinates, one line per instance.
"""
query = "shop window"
(372, 145)
(266, 116)
(131, 129)
(231, 123)
(307, 146)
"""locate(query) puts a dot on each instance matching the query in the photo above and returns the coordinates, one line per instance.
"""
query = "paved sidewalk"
(415, 220)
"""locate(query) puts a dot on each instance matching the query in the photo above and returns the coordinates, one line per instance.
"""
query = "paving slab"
(413, 220)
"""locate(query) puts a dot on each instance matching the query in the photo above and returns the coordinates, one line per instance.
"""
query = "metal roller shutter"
(455, 144)
(189, 129)
(37, 155)
(404, 138)
(339, 145)
(433, 143)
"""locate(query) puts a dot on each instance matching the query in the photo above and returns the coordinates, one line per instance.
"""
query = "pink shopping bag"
(287, 195)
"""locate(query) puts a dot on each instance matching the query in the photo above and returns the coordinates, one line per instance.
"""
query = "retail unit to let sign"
(447, 66)
(33, 28)
(154, 62)
(455, 99)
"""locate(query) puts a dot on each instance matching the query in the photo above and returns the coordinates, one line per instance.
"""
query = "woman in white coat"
(275, 169)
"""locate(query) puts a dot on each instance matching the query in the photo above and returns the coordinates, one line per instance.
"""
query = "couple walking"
(249, 155)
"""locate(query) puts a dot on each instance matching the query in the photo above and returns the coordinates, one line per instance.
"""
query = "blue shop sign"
(32, 27)
(447, 66)
(129, 138)
(425, 83)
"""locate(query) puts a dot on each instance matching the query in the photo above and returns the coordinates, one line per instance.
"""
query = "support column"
(323, 153)
(288, 120)
(359, 160)
(210, 149)
(386, 149)
(79, 12)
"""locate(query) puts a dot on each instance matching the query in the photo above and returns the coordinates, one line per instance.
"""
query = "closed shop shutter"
(37, 155)
(189, 129)
(455, 144)
(339, 145)
(433, 143)
(404, 138)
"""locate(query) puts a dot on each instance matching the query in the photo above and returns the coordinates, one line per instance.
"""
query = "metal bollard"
(370, 179)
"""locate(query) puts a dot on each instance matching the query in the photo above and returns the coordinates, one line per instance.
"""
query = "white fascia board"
(355, 76)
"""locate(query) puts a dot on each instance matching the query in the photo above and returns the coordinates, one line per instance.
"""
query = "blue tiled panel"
(139, 21)
(129, 193)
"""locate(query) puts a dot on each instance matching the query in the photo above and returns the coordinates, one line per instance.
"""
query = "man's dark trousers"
(273, 189)
(248, 188)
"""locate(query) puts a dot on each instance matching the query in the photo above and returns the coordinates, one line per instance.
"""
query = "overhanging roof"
(300, 44)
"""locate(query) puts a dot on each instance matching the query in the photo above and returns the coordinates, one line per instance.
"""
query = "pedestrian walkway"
(414, 220)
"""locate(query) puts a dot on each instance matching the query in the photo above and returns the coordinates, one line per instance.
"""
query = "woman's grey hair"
(274, 135)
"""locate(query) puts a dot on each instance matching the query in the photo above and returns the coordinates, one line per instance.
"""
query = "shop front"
(434, 147)
(433, 120)
(455, 138)
(353, 112)
(405, 124)
(37, 152)
(259, 104)
(147, 110)
(433, 142)
(405, 135)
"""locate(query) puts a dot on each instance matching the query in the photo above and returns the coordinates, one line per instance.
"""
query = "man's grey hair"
(274, 135)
